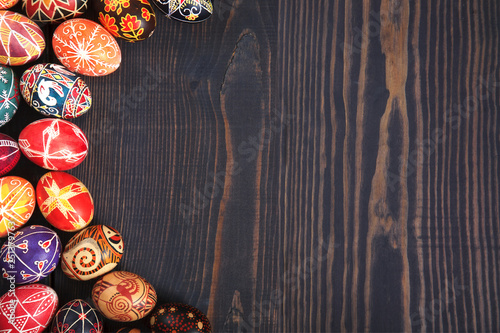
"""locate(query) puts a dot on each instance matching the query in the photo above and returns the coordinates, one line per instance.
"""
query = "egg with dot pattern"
(179, 318)
(92, 252)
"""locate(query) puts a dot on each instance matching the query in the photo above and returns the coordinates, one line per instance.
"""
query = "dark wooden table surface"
(304, 165)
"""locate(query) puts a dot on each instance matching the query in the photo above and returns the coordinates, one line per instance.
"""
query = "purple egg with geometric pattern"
(30, 254)
(77, 316)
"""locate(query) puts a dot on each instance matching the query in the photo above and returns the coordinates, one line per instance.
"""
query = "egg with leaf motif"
(30, 254)
(132, 20)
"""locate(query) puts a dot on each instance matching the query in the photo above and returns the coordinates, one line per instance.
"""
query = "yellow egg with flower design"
(132, 20)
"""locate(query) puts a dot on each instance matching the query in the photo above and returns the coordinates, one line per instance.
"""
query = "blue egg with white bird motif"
(53, 90)
(9, 94)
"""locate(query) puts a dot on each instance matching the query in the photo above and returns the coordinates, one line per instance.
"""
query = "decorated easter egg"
(128, 330)
(54, 10)
(27, 309)
(22, 41)
(52, 90)
(64, 201)
(123, 296)
(6, 4)
(77, 316)
(85, 47)
(9, 94)
(17, 202)
(191, 11)
(9, 154)
(31, 254)
(53, 144)
(132, 20)
(92, 252)
(179, 318)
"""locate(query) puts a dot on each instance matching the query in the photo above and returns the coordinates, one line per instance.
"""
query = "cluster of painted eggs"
(32, 252)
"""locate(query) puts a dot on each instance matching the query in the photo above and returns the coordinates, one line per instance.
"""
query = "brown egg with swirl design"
(123, 296)
(92, 252)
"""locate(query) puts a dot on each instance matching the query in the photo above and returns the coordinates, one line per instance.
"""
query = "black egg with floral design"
(132, 20)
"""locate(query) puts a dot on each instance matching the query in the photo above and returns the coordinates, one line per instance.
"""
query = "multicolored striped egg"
(92, 252)
(52, 90)
(54, 11)
(17, 202)
(9, 94)
(21, 40)
(31, 254)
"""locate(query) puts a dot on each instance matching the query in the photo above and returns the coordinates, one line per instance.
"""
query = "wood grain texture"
(304, 166)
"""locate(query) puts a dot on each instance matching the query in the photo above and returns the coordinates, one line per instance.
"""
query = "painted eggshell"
(132, 20)
(191, 11)
(77, 316)
(52, 90)
(64, 201)
(85, 47)
(54, 10)
(31, 254)
(21, 40)
(9, 154)
(123, 296)
(54, 144)
(17, 202)
(179, 318)
(92, 252)
(35, 307)
(6, 4)
(128, 330)
(9, 94)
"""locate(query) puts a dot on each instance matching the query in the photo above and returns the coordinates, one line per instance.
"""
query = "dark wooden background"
(304, 166)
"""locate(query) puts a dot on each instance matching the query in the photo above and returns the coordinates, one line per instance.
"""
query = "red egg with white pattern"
(64, 201)
(28, 308)
(9, 153)
(54, 144)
